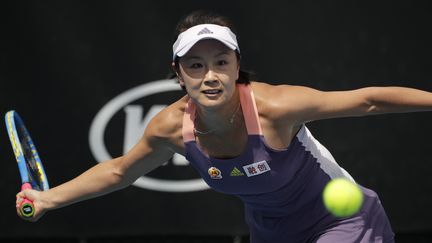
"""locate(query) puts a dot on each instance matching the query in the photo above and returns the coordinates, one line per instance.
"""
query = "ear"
(180, 80)
(238, 70)
(177, 72)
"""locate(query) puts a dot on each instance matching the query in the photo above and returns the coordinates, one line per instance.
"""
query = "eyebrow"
(222, 53)
(198, 57)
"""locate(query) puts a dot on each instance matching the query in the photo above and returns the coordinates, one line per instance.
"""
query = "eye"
(196, 65)
(222, 62)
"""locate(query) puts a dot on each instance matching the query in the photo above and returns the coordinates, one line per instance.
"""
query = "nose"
(210, 77)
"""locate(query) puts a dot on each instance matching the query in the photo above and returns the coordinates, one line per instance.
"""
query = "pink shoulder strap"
(249, 108)
(250, 114)
(188, 122)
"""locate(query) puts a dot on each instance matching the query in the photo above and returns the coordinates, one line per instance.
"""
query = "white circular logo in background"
(99, 124)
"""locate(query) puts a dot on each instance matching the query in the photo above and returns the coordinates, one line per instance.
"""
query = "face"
(209, 72)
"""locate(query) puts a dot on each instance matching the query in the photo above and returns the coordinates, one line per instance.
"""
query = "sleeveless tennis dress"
(282, 189)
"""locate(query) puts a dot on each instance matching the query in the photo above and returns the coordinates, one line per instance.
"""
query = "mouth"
(212, 92)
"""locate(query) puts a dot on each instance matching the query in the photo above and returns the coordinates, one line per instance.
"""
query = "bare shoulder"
(167, 124)
(276, 101)
(160, 141)
(279, 92)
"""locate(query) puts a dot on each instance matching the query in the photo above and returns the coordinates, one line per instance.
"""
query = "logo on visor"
(205, 31)
(129, 113)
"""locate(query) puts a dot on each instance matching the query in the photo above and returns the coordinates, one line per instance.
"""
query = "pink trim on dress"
(250, 111)
(188, 122)
(250, 114)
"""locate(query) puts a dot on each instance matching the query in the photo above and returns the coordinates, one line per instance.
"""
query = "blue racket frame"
(15, 125)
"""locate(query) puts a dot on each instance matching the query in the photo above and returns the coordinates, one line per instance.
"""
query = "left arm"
(398, 99)
(301, 104)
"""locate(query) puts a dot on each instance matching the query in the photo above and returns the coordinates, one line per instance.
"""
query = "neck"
(217, 120)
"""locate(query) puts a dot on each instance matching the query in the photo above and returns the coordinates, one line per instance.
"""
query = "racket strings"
(30, 155)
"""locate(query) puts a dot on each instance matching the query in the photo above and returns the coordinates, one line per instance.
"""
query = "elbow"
(370, 104)
(117, 173)
(372, 109)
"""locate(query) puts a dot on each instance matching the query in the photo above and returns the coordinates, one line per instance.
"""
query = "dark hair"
(207, 17)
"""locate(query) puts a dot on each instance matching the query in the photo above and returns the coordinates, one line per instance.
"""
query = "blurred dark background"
(61, 62)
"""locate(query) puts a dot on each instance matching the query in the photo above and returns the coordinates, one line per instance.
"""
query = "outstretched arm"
(150, 152)
(305, 104)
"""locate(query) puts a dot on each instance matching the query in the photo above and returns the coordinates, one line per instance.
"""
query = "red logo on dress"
(256, 168)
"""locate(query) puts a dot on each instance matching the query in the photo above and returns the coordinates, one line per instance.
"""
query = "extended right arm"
(150, 152)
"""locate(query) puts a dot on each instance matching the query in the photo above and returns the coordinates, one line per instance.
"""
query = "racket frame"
(15, 125)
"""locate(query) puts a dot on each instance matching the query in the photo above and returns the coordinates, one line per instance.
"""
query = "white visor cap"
(187, 39)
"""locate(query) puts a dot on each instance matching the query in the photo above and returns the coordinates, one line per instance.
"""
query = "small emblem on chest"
(256, 168)
(236, 172)
(215, 173)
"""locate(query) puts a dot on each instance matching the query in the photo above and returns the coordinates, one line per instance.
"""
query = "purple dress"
(282, 189)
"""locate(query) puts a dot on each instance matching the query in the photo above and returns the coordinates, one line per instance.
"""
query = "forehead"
(208, 47)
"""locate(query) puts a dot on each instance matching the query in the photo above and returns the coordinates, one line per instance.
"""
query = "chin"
(208, 103)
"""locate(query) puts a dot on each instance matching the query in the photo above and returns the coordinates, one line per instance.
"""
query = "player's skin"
(210, 65)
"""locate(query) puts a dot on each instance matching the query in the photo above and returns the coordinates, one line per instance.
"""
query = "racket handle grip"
(26, 207)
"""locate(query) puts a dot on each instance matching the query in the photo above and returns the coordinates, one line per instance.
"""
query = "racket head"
(29, 163)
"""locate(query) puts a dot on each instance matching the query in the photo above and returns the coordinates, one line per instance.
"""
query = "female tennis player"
(228, 124)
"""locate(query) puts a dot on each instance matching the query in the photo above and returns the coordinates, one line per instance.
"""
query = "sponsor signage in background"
(136, 118)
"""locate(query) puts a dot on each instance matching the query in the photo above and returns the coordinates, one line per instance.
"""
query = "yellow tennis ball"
(342, 197)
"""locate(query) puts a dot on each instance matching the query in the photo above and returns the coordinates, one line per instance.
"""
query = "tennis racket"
(29, 164)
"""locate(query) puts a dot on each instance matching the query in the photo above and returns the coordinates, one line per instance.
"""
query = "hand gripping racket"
(29, 164)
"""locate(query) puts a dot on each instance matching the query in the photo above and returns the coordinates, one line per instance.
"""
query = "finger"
(27, 193)
(20, 194)
(19, 200)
